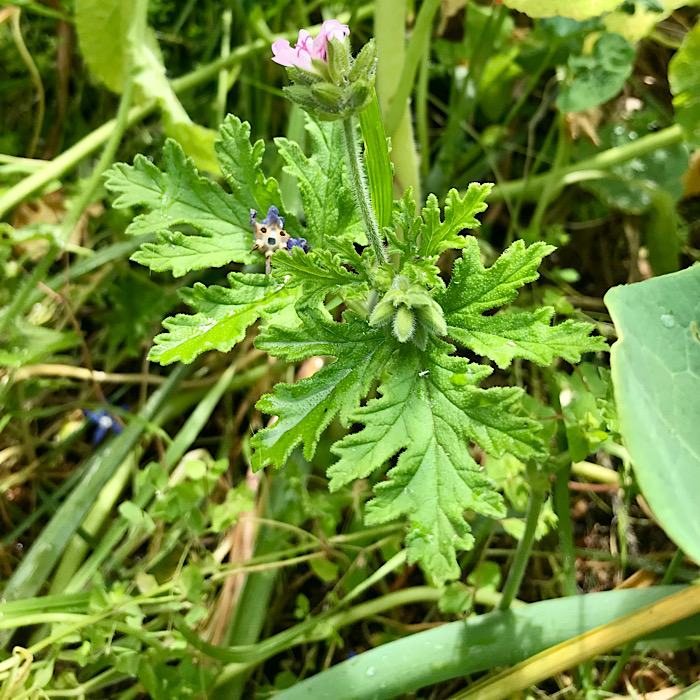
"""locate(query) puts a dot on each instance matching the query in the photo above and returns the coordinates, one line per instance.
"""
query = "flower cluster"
(307, 49)
(328, 82)
(412, 312)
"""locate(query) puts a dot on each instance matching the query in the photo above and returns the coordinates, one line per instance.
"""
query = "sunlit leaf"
(580, 9)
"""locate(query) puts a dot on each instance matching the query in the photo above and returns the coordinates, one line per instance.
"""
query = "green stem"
(35, 78)
(596, 166)
(566, 533)
(553, 183)
(222, 86)
(422, 113)
(357, 180)
(616, 670)
(522, 553)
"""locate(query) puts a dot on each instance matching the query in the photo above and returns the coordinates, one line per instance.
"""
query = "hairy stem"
(357, 180)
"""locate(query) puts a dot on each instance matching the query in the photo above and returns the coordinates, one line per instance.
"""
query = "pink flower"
(307, 48)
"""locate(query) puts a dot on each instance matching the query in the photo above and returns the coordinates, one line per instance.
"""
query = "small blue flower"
(105, 422)
(298, 243)
(273, 218)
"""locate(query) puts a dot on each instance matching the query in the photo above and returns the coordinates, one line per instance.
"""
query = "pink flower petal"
(307, 48)
(333, 29)
(283, 53)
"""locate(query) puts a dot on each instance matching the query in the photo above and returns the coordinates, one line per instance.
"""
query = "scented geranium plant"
(394, 368)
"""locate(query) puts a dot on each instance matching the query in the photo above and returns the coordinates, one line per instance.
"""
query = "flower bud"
(327, 94)
(404, 323)
(365, 64)
(432, 317)
(338, 60)
(382, 314)
(416, 315)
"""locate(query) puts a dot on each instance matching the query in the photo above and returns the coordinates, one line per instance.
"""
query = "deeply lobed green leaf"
(223, 315)
(305, 409)
(179, 196)
(329, 204)
(317, 274)
(430, 409)
(460, 213)
(475, 289)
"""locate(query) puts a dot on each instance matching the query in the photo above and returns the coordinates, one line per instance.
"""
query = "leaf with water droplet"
(656, 376)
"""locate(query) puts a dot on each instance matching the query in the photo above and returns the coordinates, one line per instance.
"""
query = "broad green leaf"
(684, 77)
(316, 274)
(598, 77)
(656, 375)
(378, 164)
(503, 337)
(429, 411)
(103, 28)
(329, 204)
(460, 213)
(580, 9)
(223, 315)
(181, 196)
(481, 643)
(305, 409)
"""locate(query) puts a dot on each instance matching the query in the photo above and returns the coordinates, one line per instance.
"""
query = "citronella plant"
(396, 372)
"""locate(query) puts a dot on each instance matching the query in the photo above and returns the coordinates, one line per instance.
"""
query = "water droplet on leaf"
(668, 321)
(459, 379)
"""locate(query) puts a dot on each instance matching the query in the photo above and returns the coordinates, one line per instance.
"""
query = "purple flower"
(306, 49)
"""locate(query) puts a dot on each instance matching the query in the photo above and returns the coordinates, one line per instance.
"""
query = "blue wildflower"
(105, 422)
(297, 243)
